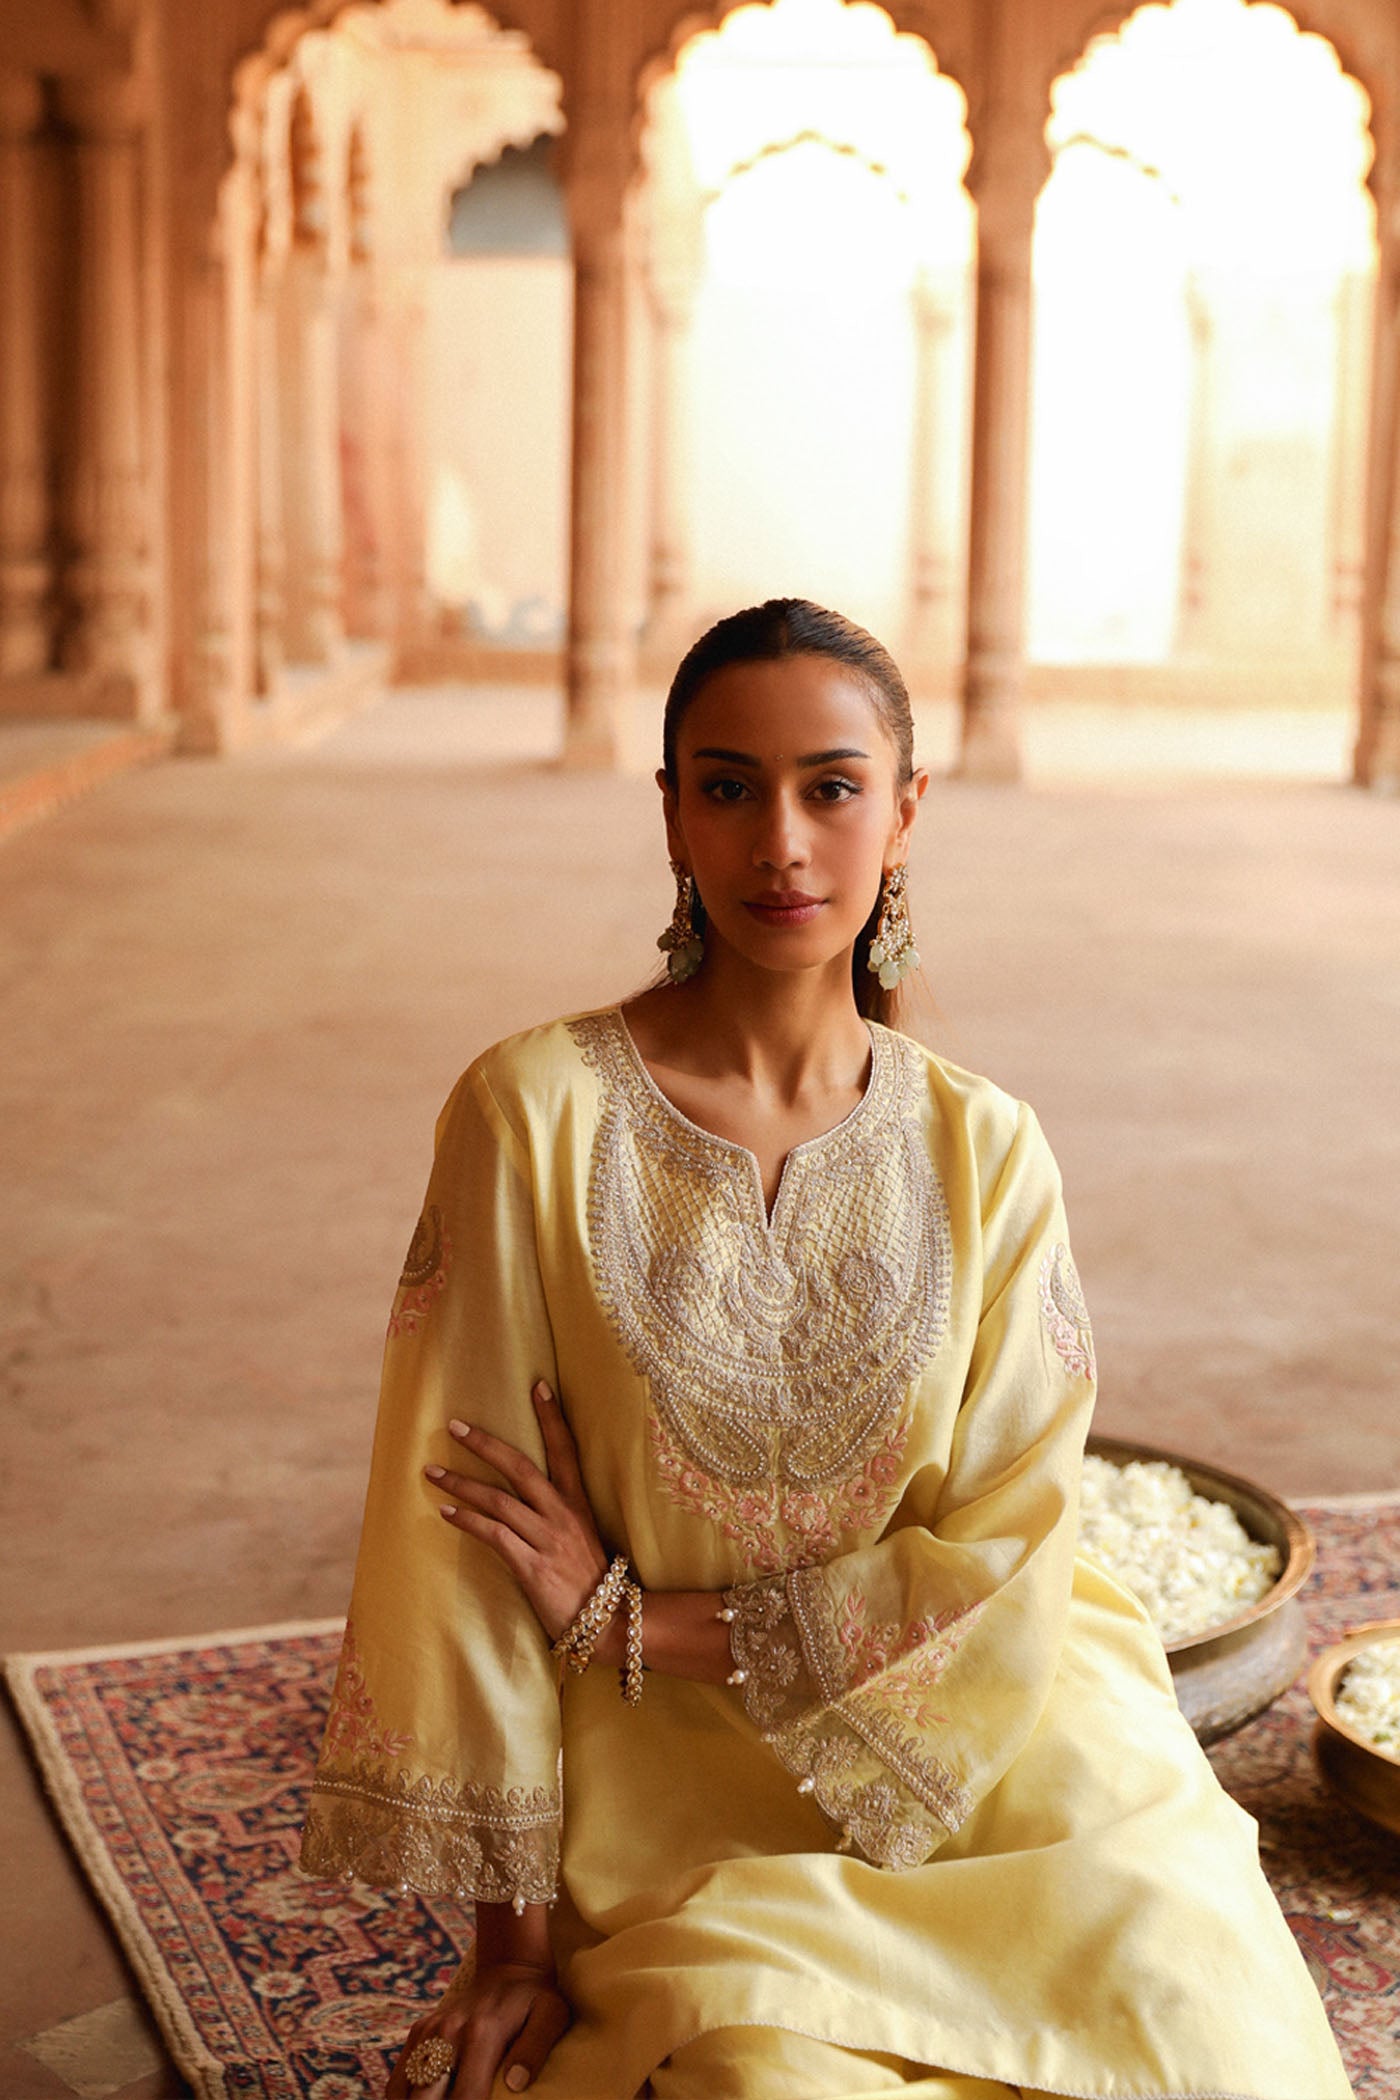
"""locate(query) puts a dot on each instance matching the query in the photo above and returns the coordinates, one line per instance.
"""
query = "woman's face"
(787, 808)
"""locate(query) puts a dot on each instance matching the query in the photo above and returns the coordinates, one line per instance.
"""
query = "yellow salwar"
(952, 1816)
(735, 2063)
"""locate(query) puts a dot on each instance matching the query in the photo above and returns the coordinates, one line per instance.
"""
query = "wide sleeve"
(900, 1680)
(439, 1769)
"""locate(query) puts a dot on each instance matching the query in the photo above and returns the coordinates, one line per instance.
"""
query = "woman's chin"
(788, 951)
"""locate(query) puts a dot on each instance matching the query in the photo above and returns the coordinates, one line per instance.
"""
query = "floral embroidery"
(876, 1782)
(763, 1641)
(424, 1273)
(393, 1830)
(777, 1527)
(779, 1351)
(352, 1726)
(909, 1660)
(1065, 1313)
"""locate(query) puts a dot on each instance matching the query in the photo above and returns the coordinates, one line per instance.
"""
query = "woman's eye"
(726, 790)
(835, 790)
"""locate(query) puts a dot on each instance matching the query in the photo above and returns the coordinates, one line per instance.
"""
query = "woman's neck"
(786, 1034)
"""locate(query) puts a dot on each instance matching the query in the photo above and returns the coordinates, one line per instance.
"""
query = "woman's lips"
(787, 908)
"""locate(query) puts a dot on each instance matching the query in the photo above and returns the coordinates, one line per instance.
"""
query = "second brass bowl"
(1366, 1777)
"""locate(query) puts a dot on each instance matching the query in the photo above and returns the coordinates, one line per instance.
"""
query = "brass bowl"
(1366, 1777)
(1231, 1672)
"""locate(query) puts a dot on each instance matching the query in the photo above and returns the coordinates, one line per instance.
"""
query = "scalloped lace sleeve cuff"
(440, 1837)
(888, 1798)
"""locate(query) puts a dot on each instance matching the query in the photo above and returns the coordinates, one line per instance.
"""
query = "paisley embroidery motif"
(424, 1273)
(1065, 1313)
(779, 1351)
(424, 1254)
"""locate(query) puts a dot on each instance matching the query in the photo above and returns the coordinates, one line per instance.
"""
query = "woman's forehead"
(784, 707)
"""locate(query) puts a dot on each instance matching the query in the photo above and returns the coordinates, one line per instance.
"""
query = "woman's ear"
(675, 837)
(908, 796)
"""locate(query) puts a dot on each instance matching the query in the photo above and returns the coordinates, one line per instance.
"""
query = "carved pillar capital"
(1009, 168)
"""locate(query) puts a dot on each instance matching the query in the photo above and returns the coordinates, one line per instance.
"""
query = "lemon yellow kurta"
(953, 1814)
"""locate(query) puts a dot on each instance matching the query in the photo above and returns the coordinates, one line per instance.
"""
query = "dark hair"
(766, 633)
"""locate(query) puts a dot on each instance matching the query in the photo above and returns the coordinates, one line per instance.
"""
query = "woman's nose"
(781, 840)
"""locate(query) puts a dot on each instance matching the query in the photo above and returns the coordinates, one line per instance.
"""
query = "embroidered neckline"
(879, 1058)
(780, 1350)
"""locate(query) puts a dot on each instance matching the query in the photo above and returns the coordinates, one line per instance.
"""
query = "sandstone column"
(309, 393)
(25, 560)
(1008, 168)
(929, 642)
(241, 207)
(361, 439)
(1194, 608)
(272, 550)
(599, 650)
(1376, 760)
(671, 298)
(310, 460)
(107, 577)
(1347, 502)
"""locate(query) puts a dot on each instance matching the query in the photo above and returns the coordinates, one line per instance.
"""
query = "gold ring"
(428, 2061)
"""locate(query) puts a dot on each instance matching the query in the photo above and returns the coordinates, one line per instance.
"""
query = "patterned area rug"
(180, 1773)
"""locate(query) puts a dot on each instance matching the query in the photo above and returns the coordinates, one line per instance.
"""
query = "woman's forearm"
(682, 1636)
(505, 1935)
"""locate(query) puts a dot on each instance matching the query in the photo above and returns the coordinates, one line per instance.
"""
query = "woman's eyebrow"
(812, 758)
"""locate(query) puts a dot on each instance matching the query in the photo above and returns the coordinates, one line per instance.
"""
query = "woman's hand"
(509, 2015)
(539, 1524)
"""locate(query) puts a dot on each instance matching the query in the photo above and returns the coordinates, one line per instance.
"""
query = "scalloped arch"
(662, 57)
(253, 84)
(1106, 19)
(285, 30)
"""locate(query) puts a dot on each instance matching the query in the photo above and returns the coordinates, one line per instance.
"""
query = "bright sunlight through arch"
(1208, 190)
(828, 154)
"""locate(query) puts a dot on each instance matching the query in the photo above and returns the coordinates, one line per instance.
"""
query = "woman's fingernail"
(542, 1392)
(434, 1472)
(460, 1428)
(517, 2078)
(447, 1509)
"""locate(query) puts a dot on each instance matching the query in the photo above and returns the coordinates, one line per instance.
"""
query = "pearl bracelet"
(632, 1670)
(574, 1648)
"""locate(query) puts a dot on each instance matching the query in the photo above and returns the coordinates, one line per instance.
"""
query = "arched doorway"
(1204, 263)
(807, 240)
(354, 398)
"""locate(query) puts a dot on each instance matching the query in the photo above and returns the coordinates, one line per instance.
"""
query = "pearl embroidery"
(779, 1350)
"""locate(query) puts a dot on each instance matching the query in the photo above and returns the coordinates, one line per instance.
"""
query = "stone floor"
(233, 996)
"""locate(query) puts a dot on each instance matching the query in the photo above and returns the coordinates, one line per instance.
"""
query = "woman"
(740, 1337)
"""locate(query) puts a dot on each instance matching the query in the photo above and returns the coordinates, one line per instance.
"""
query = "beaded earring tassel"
(682, 946)
(892, 952)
